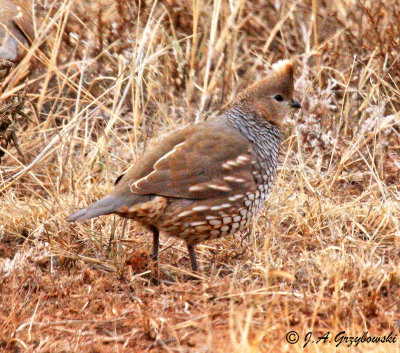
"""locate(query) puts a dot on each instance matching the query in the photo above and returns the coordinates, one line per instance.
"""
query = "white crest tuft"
(282, 67)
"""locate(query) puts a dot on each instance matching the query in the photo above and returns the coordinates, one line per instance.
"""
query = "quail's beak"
(294, 103)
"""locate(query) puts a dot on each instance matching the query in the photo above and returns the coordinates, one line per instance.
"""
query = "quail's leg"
(156, 242)
(192, 255)
(155, 270)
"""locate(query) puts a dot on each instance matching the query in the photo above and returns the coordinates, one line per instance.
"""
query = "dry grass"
(323, 256)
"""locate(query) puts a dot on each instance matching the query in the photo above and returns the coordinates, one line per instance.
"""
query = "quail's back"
(210, 179)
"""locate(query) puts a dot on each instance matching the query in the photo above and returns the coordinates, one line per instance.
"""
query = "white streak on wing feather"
(165, 156)
(145, 178)
(229, 164)
(236, 197)
(226, 205)
(219, 187)
(196, 188)
(200, 208)
(242, 158)
(220, 207)
(199, 223)
(211, 217)
(234, 179)
(183, 214)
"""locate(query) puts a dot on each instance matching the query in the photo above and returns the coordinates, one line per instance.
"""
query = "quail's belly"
(196, 221)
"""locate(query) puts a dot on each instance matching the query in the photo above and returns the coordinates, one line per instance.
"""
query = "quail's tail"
(104, 206)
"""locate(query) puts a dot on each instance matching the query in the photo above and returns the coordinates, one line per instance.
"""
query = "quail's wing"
(198, 164)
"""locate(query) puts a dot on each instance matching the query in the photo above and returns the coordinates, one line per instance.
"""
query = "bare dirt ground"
(103, 79)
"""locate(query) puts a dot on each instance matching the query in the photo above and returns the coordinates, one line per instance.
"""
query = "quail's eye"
(279, 98)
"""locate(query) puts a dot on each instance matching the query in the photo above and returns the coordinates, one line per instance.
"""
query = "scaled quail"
(207, 180)
(16, 28)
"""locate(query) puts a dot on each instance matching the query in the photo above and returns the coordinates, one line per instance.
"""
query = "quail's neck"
(265, 141)
(263, 135)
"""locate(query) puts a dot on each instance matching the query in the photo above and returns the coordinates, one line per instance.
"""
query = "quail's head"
(271, 98)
